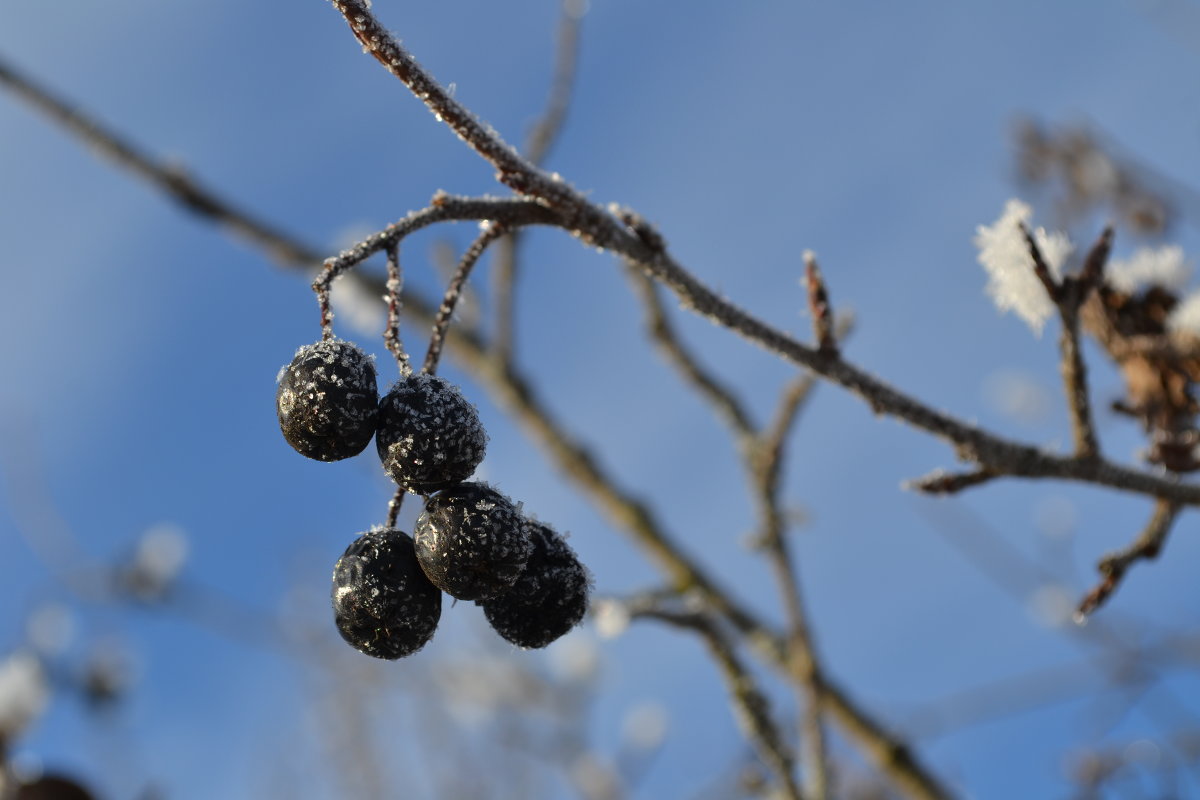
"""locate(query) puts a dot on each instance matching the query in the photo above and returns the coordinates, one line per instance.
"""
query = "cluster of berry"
(470, 542)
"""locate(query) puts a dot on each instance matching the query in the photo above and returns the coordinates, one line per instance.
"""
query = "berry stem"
(326, 312)
(491, 232)
(391, 335)
(394, 507)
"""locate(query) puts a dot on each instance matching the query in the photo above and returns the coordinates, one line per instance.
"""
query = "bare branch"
(514, 171)
(1071, 297)
(170, 178)
(566, 58)
(1074, 375)
(727, 405)
(750, 705)
(1146, 547)
(543, 134)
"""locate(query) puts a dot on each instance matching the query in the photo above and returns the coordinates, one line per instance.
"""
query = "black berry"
(471, 541)
(550, 597)
(327, 400)
(429, 435)
(51, 787)
(383, 604)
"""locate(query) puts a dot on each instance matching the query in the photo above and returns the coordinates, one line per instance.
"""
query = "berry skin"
(327, 400)
(550, 597)
(429, 435)
(471, 541)
(383, 604)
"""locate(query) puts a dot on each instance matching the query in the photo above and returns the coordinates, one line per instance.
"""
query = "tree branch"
(751, 706)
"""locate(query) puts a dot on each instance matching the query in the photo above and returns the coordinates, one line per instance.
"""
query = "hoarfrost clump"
(645, 726)
(24, 692)
(611, 617)
(1004, 253)
(161, 553)
(1149, 266)
(1185, 317)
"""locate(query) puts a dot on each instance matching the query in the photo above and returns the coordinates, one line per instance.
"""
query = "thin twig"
(765, 463)
(1146, 547)
(394, 504)
(171, 178)
(750, 704)
(1074, 374)
(1074, 292)
(395, 287)
(727, 405)
(942, 482)
(543, 134)
(490, 233)
(1040, 268)
(819, 306)
(546, 130)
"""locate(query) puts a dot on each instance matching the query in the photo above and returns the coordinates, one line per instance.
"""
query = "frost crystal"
(1004, 253)
(1185, 317)
(1163, 266)
(611, 617)
(161, 553)
(24, 692)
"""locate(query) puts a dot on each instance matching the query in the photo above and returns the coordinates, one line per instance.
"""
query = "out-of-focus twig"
(750, 704)
(172, 179)
(441, 322)
(1069, 294)
(942, 482)
(1146, 547)
(727, 405)
(541, 137)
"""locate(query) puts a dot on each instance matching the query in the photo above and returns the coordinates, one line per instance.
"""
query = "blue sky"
(143, 345)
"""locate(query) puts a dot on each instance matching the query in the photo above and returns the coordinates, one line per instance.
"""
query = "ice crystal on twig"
(1004, 253)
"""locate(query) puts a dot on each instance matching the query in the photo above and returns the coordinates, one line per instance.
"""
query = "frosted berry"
(429, 435)
(327, 400)
(550, 597)
(383, 604)
(471, 541)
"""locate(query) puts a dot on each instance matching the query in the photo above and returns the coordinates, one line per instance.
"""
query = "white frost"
(1185, 317)
(24, 692)
(1149, 266)
(1004, 253)
(611, 617)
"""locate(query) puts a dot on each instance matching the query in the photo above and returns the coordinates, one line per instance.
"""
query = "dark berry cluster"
(470, 541)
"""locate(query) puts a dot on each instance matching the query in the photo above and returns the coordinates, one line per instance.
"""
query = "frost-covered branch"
(642, 245)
